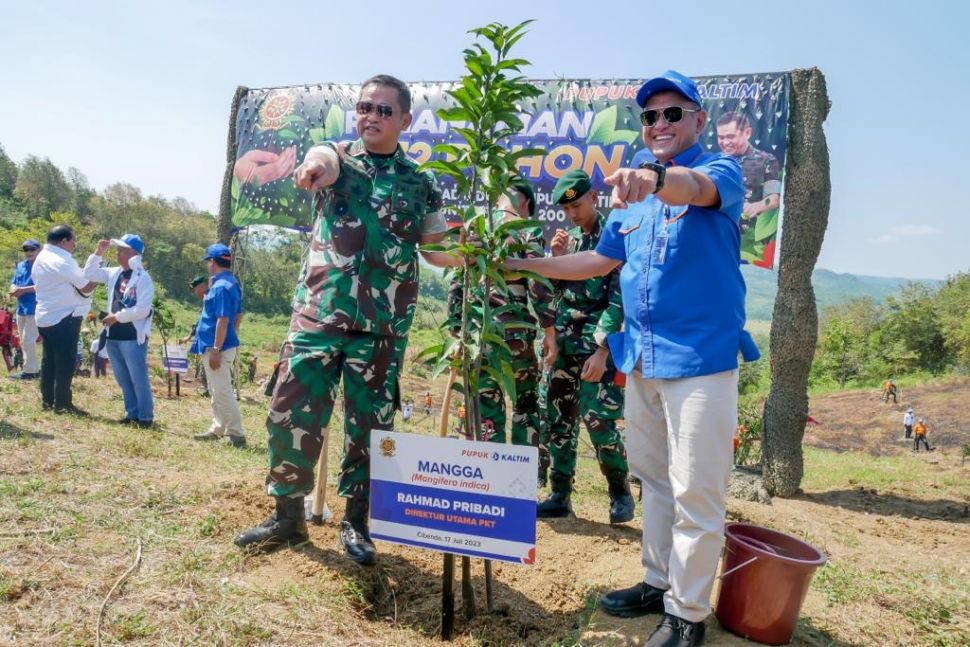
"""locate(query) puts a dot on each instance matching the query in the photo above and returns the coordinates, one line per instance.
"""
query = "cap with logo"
(673, 81)
(131, 241)
(571, 187)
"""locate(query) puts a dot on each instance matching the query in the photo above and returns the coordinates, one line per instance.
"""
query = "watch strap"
(660, 170)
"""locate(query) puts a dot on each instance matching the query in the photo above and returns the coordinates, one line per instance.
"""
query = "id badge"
(660, 249)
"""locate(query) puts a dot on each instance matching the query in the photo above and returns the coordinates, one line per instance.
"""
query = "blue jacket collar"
(684, 158)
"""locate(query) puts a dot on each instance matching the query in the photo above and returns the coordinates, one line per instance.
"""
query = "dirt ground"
(894, 526)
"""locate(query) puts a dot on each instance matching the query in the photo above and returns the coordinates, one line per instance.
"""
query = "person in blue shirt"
(217, 341)
(675, 230)
(22, 289)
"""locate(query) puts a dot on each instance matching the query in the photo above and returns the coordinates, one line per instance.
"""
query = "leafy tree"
(41, 188)
(952, 304)
(8, 174)
(912, 329)
(81, 190)
(488, 101)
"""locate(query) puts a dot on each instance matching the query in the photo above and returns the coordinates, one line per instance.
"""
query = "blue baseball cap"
(30, 243)
(669, 80)
(217, 250)
(131, 241)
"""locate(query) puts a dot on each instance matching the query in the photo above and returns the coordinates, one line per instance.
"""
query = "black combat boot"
(285, 527)
(557, 504)
(621, 501)
(354, 536)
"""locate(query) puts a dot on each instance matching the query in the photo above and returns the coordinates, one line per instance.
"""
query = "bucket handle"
(738, 567)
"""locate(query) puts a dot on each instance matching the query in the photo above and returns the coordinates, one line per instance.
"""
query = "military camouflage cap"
(571, 186)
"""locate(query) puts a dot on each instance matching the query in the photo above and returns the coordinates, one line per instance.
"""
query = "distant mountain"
(831, 288)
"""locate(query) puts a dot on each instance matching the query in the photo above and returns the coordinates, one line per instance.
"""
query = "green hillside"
(831, 288)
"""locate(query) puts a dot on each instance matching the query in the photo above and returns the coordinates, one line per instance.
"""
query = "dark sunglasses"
(671, 114)
(30, 249)
(384, 111)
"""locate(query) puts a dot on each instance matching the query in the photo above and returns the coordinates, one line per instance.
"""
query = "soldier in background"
(581, 384)
(527, 302)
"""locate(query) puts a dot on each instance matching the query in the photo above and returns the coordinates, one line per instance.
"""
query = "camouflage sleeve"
(611, 319)
(540, 296)
(434, 221)
(772, 185)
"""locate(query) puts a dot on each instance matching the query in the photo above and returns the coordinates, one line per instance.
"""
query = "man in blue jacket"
(216, 339)
(675, 230)
(22, 289)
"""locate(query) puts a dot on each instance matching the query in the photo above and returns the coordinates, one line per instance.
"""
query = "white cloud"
(901, 232)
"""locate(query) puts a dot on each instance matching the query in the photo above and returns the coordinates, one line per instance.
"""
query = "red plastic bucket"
(764, 578)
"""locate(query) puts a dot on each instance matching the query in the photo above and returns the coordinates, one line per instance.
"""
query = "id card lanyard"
(660, 242)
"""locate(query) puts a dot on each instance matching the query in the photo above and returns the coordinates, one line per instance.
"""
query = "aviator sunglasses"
(671, 114)
(384, 111)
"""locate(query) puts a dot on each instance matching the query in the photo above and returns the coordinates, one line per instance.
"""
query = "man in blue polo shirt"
(217, 341)
(22, 289)
(675, 230)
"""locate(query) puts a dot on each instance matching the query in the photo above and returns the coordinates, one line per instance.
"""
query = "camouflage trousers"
(599, 404)
(311, 366)
(525, 408)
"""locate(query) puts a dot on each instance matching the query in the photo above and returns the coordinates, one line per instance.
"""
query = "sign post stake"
(448, 570)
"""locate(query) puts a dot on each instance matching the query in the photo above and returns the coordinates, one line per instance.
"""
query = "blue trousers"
(129, 362)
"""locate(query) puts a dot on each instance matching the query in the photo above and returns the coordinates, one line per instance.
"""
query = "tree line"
(36, 194)
(922, 329)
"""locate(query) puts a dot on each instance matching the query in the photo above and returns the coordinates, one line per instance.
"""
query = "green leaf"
(517, 224)
(287, 134)
(453, 114)
(603, 125)
(318, 135)
(334, 123)
(766, 225)
(625, 136)
(534, 277)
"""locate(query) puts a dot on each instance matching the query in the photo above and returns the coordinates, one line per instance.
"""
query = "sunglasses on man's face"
(671, 114)
(383, 110)
(30, 249)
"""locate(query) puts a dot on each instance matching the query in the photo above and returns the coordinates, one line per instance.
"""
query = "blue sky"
(140, 92)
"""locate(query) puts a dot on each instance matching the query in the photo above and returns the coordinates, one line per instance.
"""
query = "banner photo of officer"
(593, 125)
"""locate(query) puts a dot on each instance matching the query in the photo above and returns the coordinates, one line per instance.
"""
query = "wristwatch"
(660, 170)
(217, 349)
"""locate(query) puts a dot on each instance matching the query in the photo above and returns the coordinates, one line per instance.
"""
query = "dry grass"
(895, 577)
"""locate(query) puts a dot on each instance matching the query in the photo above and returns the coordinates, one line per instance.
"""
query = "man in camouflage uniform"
(528, 302)
(581, 385)
(762, 186)
(352, 310)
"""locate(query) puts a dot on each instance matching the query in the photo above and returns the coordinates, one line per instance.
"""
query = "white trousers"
(27, 329)
(226, 420)
(679, 444)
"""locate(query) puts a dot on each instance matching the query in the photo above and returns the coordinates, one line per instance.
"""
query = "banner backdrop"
(589, 124)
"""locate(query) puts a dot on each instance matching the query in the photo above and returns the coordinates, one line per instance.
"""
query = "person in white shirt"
(129, 322)
(63, 298)
(908, 420)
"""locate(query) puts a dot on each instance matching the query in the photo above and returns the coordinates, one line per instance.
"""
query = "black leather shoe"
(676, 632)
(638, 600)
(285, 527)
(354, 535)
